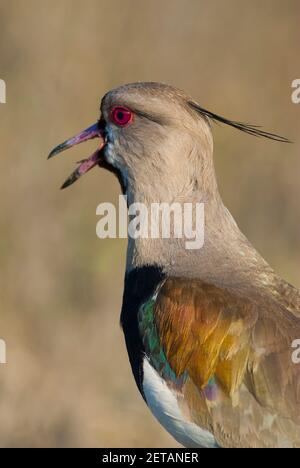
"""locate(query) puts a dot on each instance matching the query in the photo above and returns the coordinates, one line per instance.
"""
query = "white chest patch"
(164, 407)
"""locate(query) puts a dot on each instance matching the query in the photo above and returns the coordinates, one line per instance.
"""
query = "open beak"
(95, 131)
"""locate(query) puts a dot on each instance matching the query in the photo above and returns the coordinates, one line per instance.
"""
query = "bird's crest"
(243, 127)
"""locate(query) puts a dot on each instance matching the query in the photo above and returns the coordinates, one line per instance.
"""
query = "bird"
(208, 331)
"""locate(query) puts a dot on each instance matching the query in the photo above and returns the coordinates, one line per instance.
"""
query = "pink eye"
(121, 116)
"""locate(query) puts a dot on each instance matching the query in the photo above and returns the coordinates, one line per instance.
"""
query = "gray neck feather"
(227, 258)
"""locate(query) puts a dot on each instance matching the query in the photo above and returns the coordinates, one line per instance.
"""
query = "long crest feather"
(243, 127)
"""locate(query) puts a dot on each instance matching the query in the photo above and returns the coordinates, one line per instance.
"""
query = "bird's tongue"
(95, 131)
(84, 166)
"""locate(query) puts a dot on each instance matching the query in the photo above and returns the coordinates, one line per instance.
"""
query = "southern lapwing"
(209, 332)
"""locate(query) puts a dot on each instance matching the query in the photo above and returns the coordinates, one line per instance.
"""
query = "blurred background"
(67, 381)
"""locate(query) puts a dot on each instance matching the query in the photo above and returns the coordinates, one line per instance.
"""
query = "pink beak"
(95, 131)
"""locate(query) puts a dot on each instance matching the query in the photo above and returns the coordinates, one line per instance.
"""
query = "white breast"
(164, 407)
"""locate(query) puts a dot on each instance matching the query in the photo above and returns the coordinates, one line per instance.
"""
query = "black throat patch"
(140, 285)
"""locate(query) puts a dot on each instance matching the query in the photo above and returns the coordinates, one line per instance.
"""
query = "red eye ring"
(121, 116)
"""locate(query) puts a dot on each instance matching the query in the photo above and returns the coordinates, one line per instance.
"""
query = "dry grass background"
(67, 381)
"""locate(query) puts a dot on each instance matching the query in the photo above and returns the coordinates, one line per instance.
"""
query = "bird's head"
(158, 142)
(155, 138)
(149, 136)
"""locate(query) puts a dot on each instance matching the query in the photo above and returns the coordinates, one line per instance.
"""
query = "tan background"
(67, 381)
